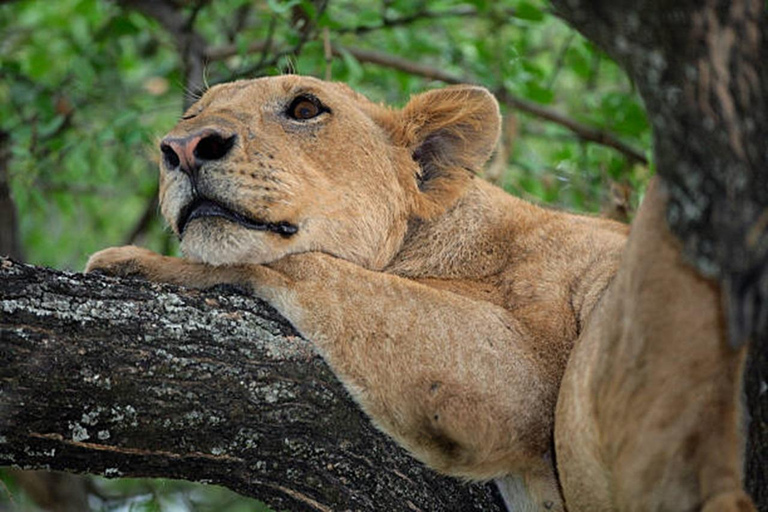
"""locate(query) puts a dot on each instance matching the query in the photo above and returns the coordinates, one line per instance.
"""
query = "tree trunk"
(702, 70)
(129, 378)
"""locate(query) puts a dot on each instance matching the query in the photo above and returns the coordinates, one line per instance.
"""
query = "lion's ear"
(450, 133)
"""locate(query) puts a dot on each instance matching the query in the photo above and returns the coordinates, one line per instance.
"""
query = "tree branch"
(307, 27)
(129, 378)
(583, 131)
(422, 15)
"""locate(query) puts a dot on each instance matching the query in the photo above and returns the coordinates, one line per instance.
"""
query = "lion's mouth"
(202, 207)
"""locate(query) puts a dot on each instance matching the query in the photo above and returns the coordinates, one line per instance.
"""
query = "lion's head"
(260, 169)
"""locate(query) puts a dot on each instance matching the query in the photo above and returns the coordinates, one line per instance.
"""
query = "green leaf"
(282, 7)
(528, 11)
(539, 93)
(49, 128)
(39, 63)
(119, 26)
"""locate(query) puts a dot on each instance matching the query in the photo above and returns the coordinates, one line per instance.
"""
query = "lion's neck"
(476, 238)
(515, 254)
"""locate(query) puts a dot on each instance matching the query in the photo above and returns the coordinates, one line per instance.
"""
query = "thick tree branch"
(128, 378)
(701, 69)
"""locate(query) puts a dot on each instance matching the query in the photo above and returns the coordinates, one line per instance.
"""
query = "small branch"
(267, 47)
(145, 221)
(581, 130)
(307, 31)
(328, 53)
(464, 11)
(10, 239)
(560, 59)
(239, 21)
(400, 64)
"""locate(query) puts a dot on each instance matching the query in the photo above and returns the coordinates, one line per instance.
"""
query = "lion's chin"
(220, 242)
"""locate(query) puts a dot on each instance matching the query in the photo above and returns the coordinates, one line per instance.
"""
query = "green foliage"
(75, 101)
(85, 100)
(88, 86)
(140, 495)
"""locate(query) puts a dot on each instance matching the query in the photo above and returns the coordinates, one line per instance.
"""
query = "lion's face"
(260, 169)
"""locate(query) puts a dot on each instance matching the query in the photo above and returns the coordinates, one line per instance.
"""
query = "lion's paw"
(126, 261)
(730, 501)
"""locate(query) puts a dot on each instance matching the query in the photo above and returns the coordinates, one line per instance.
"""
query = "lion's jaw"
(286, 186)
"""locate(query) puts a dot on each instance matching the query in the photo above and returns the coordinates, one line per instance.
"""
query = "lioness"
(449, 308)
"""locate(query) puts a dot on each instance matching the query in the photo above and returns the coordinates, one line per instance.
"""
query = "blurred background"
(87, 87)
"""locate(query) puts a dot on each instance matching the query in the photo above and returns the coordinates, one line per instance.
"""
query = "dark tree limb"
(129, 378)
(702, 69)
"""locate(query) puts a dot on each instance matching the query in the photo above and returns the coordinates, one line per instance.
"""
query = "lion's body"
(447, 307)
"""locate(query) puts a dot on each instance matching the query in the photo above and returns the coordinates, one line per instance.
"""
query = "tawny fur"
(447, 307)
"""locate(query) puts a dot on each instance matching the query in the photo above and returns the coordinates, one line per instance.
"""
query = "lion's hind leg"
(649, 412)
(729, 501)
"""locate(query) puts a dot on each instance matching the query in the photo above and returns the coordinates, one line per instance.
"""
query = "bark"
(129, 378)
(702, 70)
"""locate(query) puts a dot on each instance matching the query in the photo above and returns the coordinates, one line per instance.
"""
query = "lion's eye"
(305, 107)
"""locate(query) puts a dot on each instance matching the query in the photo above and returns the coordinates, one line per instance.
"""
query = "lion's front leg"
(451, 379)
(132, 261)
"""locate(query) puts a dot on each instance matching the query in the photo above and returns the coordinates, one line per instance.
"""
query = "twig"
(583, 131)
(399, 63)
(238, 21)
(5, 487)
(268, 42)
(193, 15)
(560, 59)
(328, 52)
(149, 215)
(307, 32)
(407, 20)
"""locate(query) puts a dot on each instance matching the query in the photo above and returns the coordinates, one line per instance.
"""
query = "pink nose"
(190, 152)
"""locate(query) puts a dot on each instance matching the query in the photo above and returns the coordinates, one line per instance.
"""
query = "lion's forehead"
(273, 92)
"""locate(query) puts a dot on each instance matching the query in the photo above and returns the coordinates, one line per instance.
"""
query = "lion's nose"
(190, 152)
